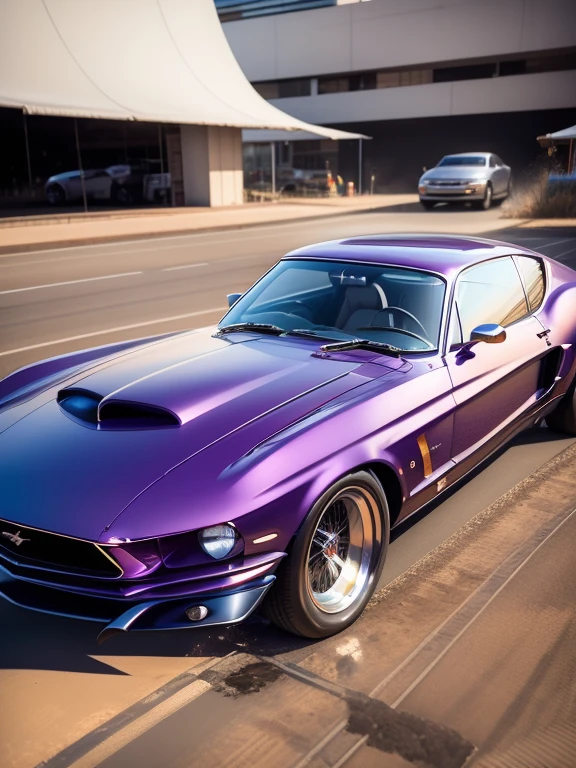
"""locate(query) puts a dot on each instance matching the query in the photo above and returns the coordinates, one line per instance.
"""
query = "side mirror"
(233, 298)
(491, 333)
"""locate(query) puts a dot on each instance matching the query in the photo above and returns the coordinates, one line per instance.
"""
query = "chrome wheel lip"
(352, 572)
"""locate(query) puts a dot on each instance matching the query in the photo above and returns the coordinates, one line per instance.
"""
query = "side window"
(532, 273)
(490, 293)
(492, 161)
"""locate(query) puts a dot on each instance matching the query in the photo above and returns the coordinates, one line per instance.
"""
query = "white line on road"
(71, 282)
(185, 266)
(113, 330)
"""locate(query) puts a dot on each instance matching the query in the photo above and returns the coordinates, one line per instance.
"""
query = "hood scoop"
(87, 407)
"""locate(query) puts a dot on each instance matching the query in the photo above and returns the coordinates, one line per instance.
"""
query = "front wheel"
(485, 204)
(335, 561)
(427, 204)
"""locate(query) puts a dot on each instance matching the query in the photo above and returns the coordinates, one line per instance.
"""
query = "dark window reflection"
(122, 163)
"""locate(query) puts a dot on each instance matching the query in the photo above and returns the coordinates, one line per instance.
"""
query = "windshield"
(462, 160)
(342, 300)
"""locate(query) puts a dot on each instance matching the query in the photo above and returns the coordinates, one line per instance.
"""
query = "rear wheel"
(335, 561)
(563, 417)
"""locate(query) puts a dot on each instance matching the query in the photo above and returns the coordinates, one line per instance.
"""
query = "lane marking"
(138, 727)
(72, 282)
(557, 242)
(185, 266)
(564, 253)
(113, 330)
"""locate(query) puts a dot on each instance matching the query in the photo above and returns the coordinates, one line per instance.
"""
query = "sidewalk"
(59, 230)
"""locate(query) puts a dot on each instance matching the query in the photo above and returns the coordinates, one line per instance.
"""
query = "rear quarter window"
(532, 271)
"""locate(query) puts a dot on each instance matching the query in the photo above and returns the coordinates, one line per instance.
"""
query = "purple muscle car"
(188, 480)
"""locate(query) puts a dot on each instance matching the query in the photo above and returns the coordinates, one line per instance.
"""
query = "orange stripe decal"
(425, 451)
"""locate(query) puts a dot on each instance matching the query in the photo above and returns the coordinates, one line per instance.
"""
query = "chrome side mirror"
(233, 298)
(491, 333)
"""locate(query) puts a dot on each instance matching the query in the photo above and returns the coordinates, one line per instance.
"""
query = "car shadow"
(32, 640)
(417, 208)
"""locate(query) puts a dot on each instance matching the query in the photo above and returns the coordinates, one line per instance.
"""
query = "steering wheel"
(305, 311)
(408, 314)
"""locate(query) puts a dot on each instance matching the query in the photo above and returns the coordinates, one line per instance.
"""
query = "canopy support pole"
(27, 151)
(273, 161)
(359, 166)
(82, 180)
(160, 144)
(571, 157)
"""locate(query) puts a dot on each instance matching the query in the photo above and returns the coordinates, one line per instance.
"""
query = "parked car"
(478, 177)
(122, 184)
(187, 480)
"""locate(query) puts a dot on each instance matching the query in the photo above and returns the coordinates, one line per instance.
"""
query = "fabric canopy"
(567, 133)
(153, 60)
(255, 136)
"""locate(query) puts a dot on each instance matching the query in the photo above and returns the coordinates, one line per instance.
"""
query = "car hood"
(455, 173)
(72, 475)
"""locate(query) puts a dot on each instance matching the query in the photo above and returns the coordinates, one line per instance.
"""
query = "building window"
(466, 72)
(283, 89)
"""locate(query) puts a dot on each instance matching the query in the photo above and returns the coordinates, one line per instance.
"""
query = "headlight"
(218, 540)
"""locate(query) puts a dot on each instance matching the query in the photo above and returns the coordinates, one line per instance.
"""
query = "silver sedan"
(479, 177)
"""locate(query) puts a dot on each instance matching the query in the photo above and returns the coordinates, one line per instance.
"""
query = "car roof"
(466, 154)
(442, 254)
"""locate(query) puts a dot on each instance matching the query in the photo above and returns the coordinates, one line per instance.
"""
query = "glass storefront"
(123, 163)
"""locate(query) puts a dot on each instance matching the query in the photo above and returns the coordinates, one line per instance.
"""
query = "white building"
(422, 77)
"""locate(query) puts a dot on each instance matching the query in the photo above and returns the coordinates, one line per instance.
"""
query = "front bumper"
(443, 193)
(225, 606)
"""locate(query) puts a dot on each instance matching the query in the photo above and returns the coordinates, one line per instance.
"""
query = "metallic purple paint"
(266, 425)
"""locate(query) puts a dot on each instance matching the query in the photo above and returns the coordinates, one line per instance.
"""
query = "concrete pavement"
(57, 230)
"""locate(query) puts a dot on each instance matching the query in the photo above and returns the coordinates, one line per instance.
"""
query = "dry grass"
(539, 201)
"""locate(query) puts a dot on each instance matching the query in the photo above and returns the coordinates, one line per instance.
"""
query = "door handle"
(544, 335)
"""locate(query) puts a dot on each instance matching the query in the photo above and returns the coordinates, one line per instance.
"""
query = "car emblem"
(15, 538)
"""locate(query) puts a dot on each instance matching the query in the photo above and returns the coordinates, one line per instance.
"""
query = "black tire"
(297, 602)
(427, 204)
(563, 417)
(55, 194)
(485, 204)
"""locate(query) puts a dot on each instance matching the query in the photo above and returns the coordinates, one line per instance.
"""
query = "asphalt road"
(51, 673)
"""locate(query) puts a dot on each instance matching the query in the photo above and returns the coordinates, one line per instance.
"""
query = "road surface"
(56, 686)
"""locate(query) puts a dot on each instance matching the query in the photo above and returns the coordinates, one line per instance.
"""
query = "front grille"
(449, 183)
(30, 547)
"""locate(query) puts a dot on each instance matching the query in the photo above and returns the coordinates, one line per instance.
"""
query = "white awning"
(153, 60)
(566, 133)
(255, 136)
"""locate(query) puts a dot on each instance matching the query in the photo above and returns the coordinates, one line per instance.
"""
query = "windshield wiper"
(275, 330)
(371, 346)
(305, 332)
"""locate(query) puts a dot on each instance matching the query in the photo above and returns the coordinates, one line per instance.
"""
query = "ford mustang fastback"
(194, 478)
